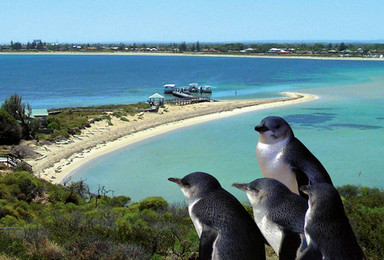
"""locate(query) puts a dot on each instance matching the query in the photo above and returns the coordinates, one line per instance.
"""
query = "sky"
(104, 21)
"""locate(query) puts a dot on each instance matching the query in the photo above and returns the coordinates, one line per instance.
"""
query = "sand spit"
(58, 160)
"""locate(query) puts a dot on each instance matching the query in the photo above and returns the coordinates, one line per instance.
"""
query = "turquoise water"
(344, 128)
(51, 81)
(347, 136)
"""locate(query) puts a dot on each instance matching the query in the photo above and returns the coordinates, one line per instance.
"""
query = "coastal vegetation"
(17, 123)
(341, 49)
(39, 220)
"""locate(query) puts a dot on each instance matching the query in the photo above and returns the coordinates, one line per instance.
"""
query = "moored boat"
(205, 89)
(193, 87)
(169, 88)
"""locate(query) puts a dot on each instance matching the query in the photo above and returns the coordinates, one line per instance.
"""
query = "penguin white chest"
(195, 220)
(273, 165)
(308, 219)
(270, 230)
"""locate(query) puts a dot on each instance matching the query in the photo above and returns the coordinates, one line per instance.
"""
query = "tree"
(40, 46)
(10, 130)
(17, 46)
(197, 46)
(342, 47)
(183, 47)
(16, 108)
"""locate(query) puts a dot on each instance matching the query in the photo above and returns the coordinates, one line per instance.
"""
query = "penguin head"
(260, 190)
(273, 129)
(196, 185)
(324, 196)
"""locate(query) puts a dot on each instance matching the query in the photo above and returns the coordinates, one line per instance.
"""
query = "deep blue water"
(344, 128)
(51, 81)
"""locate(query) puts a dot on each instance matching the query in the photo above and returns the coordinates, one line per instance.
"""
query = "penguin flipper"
(207, 238)
(310, 253)
(302, 179)
(289, 245)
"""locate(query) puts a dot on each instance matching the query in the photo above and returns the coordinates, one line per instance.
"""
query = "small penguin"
(279, 214)
(327, 228)
(283, 157)
(225, 228)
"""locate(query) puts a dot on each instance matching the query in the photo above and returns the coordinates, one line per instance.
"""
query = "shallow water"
(344, 132)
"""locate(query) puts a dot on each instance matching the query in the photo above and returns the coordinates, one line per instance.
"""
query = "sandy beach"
(266, 56)
(56, 161)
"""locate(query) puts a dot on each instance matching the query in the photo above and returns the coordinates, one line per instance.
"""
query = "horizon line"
(378, 41)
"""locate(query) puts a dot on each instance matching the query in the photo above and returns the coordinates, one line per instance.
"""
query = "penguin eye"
(255, 190)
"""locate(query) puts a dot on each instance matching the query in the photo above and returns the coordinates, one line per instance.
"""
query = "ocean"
(344, 128)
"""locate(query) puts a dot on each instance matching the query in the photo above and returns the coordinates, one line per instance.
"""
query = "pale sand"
(57, 161)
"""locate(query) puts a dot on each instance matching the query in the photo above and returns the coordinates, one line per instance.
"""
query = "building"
(41, 114)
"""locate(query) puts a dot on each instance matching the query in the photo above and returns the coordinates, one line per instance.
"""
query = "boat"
(193, 87)
(169, 88)
(205, 89)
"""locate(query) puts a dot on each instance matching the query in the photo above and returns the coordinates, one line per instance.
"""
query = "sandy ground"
(57, 160)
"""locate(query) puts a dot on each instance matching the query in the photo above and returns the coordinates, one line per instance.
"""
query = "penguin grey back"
(227, 230)
(282, 206)
(277, 210)
(327, 227)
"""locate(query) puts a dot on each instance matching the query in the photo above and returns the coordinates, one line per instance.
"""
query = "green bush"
(153, 203)
(365, 210)
(123, 118)
(10, 129)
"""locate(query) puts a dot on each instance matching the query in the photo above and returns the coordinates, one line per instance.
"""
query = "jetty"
(11, 160)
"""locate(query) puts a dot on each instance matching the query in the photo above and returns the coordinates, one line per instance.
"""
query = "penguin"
(283, 157)
(279, 214)
(225, 228)
(327, 228)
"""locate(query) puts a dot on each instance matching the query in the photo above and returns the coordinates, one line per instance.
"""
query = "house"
(248, 50)
(41, 114)
(274, 50)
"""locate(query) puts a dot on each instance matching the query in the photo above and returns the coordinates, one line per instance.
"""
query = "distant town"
(362, 50)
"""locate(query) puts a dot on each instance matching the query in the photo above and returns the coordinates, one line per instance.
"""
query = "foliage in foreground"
(39, 220)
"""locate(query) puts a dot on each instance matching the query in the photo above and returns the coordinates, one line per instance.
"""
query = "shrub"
(11, 245)
(10, 129)
(153, 203)
(365, 210)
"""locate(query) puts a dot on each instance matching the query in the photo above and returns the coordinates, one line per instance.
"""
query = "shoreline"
(194, 55)
(59, 160)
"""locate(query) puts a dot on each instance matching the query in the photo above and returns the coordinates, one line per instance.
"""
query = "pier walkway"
(184, 101)
(8, 160)
(12, 160)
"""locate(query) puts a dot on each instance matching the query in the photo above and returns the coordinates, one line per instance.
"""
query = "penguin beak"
(240, 186)
(261, 128)
(175, 180)
(305, 189)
